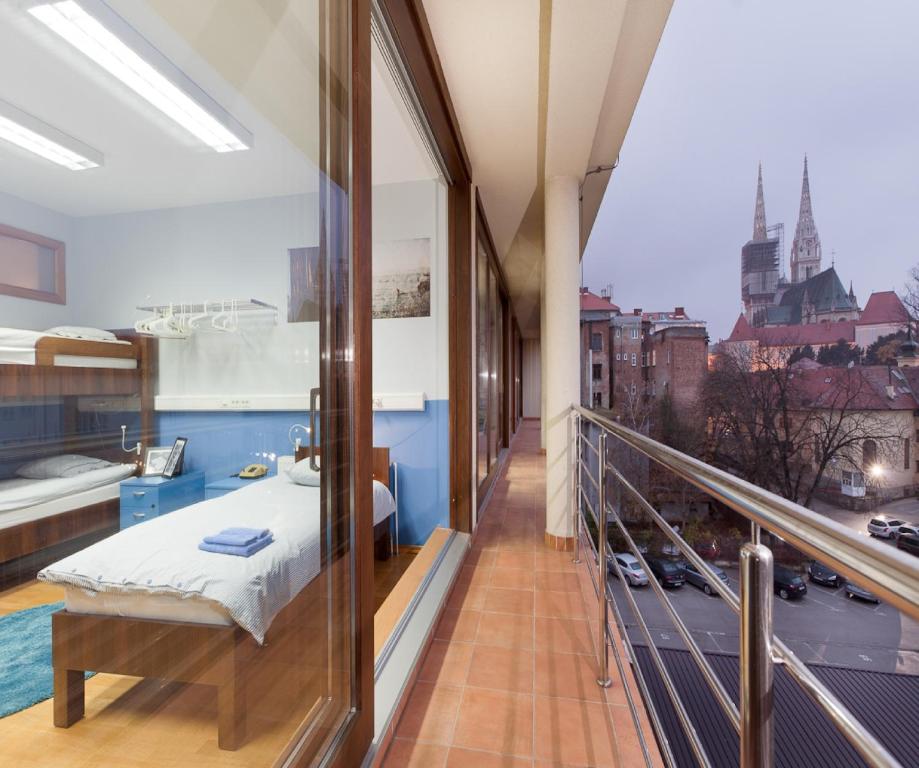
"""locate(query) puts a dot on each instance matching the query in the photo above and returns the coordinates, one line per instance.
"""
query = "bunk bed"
(238, 624)
(39, 368)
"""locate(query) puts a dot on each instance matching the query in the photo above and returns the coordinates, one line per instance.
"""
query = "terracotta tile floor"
(510, 678)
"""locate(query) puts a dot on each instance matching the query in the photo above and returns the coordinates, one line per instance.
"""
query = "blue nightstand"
(143, 498)
(220, 488)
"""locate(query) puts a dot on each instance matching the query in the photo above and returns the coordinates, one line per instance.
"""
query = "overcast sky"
(736, 82)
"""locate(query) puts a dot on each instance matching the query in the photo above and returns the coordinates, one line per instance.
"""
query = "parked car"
(854, 590)
(631, 569)
(787, 584)
(709, 549)
(820, 574)
(694, 577)
(668, 572)
(910, 529)
(884, 526)
(908, 542)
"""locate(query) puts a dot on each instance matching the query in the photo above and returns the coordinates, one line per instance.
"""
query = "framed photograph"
(176, 458)
(155, 460)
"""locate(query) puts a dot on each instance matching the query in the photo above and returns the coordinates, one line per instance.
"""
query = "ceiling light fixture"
(94, 29)
(30, 133)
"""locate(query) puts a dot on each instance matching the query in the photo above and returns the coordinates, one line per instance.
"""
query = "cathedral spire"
(759, 216)
(806, 226)
(806, 252)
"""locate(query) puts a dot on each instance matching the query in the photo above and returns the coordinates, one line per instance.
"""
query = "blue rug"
(26, 677)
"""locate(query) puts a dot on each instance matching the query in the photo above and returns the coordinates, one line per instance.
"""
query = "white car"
(630, 569)
(911, 528)
(884, 527)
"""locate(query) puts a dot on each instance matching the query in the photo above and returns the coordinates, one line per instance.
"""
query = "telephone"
(253, 471)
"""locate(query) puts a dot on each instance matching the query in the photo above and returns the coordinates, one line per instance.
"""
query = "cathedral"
(811, 295)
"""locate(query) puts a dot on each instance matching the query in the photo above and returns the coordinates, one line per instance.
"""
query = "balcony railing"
(892, 575)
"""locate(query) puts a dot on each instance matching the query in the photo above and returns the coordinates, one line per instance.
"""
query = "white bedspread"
(383, 502)
(162, 556)
(17, 347)
(19, 492)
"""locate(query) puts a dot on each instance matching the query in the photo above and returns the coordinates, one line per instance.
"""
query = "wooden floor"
(386, 574)
(132, 723)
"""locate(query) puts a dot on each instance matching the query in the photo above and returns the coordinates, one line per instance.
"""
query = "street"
(824, 626)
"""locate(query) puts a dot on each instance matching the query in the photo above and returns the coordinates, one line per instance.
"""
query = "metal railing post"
(603, 680)
(756, 712)
(577, 489)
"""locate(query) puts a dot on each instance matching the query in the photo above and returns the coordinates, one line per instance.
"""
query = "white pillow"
(79, 332)
(303, 474)
(68, 465)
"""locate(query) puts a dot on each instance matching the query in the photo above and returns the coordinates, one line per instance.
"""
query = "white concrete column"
(560, 347)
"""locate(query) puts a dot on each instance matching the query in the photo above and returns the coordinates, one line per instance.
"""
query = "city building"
(630, 359)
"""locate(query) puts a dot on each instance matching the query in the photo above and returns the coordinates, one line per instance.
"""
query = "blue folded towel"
(238, 537)
(239, 551)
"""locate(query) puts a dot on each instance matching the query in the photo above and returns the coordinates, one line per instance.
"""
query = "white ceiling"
(251, 62)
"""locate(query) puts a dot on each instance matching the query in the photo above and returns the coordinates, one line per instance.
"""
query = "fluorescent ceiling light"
(30, 133)
(107, 39)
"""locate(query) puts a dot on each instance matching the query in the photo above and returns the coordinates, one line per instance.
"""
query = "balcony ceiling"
(541, 88)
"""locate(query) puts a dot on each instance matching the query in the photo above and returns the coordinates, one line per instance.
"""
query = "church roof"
(883, 307)
(824, 292)
(815, 334)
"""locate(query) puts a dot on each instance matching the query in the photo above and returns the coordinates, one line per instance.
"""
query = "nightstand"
(143, 498)
(220, 488)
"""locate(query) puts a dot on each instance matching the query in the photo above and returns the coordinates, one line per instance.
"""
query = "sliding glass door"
(186, 384)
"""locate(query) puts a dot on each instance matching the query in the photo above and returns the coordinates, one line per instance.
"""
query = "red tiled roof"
(794, 335)
(862, 387)
(883, 307)
(590, 302)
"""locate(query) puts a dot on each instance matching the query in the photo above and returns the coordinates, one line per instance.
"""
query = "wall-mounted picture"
(402, 278)
(303, 302)
(176, 458)
(155, 460)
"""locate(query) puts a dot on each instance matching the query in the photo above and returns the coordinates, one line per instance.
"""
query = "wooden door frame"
(411, 33)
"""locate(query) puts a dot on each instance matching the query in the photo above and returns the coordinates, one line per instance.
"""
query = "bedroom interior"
(185, 277)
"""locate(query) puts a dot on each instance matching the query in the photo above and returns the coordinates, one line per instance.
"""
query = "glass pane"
(25, 264)
(494, 356)
(483, 377)
(175, 443)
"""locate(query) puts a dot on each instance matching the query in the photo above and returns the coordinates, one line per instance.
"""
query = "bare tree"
(783, 427)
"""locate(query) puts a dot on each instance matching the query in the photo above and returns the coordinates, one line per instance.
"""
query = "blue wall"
(221, 443)
(420, 443)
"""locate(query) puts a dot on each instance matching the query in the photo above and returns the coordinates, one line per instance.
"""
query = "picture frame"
(176, 458)
(155, 460)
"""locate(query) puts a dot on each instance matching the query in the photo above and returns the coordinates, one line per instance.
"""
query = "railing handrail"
(891, 574)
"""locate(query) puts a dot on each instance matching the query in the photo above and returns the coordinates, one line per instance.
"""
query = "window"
(596, 342)
(491, 340)
(31, 266)
(598, 371)
(634, 359)
(668, 355)
(633, 389)
(619, 333)
(598, 400)
(869, 454)
(635, 333)
(905, 453)
(618, 356)
(653, 357)
(644, 359)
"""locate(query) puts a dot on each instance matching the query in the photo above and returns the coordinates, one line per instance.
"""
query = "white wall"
(27, 313)
(532, 372)
(411, 354)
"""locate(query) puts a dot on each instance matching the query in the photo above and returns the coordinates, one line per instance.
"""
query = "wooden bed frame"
(223, 656)
(29, 546)
(382, 531)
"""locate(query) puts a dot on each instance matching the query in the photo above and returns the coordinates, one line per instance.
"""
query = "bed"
(60, 368)
(146, 602)
(35, 348)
